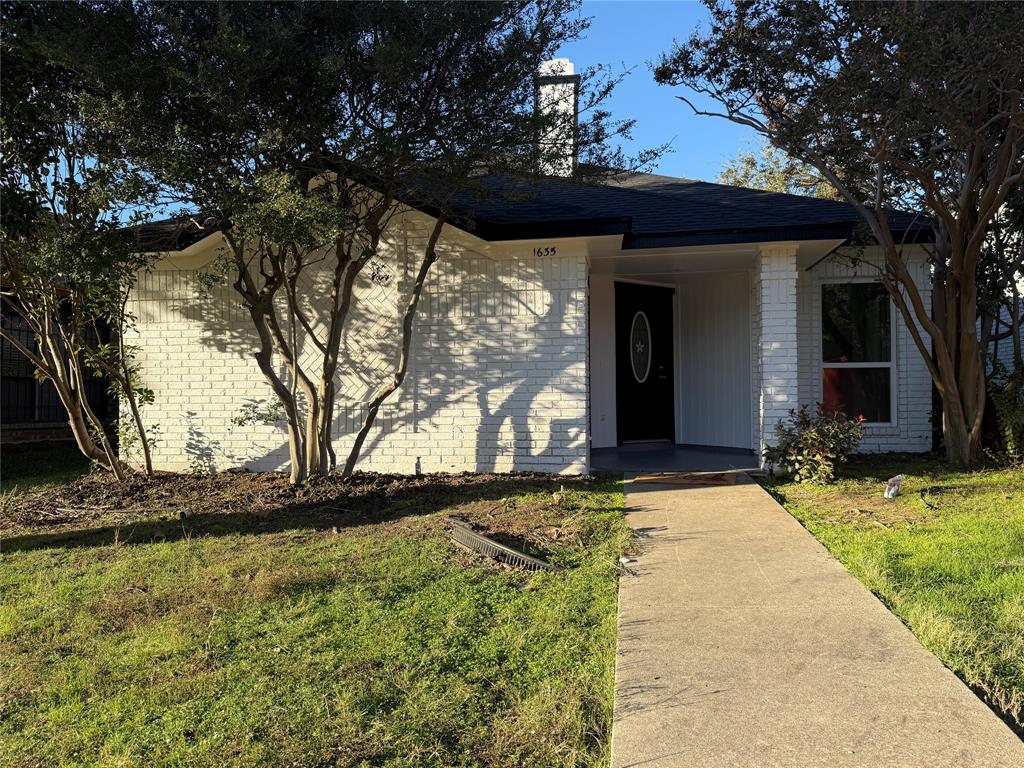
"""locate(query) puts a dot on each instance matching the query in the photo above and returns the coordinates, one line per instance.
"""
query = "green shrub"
(810, 446)
(1006, 391)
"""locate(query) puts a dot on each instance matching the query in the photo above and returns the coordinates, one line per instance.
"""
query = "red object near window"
(856, 350)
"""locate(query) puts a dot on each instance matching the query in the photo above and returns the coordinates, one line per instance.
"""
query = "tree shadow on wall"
(492, 349)
(510, 353)
(202, 452)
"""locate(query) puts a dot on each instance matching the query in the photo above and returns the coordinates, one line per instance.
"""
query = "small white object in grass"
(626, 560)
(892, 488)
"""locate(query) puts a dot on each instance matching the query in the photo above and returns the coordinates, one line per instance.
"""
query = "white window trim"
(893, 346)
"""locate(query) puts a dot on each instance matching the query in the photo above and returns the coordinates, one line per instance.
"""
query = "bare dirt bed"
(264, 501)
(97, 496)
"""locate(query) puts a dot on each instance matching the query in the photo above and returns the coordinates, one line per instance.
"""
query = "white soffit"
(703, 258)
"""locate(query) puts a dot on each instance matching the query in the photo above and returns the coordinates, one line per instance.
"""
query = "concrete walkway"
(743, 643)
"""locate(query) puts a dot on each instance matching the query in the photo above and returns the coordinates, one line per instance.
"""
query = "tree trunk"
(264, 359)
(259, 303)
(296, 448)
(346, 270)
(78, 384)
(147, 458)
(128, 387)
(49, 364)
(373, 407)
(957, 369)
(1015, 328)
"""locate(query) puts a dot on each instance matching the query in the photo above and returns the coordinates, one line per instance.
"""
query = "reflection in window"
(856, 350)
(640, 347)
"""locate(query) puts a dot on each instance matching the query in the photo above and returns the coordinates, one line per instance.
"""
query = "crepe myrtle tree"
(485, 126)
(235, 106)
(300, 130)
(67, 267)
(917, 105)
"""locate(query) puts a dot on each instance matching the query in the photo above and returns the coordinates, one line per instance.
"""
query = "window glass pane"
(855, 323)
(858, 392)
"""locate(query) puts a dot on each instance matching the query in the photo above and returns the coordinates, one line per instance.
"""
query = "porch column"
(775, 297)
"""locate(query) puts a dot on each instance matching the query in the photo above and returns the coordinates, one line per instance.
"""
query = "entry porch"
(666, 457)
(693, 353)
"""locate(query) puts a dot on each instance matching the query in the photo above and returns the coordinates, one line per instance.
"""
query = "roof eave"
(743, 236)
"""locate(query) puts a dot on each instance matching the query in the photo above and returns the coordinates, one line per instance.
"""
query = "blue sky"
(632, 33)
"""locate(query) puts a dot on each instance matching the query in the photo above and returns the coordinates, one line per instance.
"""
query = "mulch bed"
(98, 496)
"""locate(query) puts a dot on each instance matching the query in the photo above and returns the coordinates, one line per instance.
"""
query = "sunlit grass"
(950, 564)
(375, 644)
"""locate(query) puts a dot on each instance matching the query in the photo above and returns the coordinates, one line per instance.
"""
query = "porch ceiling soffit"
(704, 258)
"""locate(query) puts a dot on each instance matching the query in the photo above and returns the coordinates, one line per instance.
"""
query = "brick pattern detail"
(775, 305)
(755, 359)
(497, 381)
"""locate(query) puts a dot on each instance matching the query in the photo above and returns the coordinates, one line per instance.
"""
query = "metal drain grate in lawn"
(465, 536)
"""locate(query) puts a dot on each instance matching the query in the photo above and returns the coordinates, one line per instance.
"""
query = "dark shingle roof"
(659, 211)
(648, 210)
(174, 234)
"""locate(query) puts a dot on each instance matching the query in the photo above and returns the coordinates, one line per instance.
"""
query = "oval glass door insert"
(640, 347)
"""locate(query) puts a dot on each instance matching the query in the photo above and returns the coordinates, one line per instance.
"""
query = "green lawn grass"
(954, 573)
(36, 466)
(290, 641)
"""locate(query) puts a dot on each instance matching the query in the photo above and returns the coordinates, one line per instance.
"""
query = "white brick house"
(573, 318)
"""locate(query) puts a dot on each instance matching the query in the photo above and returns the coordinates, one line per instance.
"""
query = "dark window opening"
(856, 350)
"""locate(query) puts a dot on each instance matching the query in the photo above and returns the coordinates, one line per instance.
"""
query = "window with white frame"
(856, 350)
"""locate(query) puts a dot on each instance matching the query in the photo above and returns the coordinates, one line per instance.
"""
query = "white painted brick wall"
(755, 359)
(497, 380)
(912, 428)
(776, 308)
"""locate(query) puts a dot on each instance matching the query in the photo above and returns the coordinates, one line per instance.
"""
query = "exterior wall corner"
(775, 279)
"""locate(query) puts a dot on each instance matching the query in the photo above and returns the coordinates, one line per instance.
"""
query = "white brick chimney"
(558, 92)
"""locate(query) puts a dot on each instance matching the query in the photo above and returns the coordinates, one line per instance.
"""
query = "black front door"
(645, 401)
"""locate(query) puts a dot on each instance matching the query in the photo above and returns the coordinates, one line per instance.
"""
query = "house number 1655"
(541, 253)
